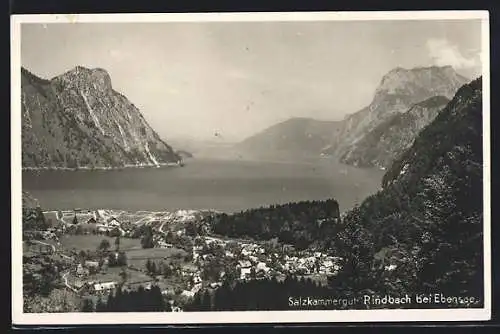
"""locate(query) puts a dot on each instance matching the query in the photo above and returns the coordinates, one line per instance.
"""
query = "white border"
(20, 318)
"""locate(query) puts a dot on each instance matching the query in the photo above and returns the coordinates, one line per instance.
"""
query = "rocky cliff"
(380, 146)
(78, 120)
(398, 91)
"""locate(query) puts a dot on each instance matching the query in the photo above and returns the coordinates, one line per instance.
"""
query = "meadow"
(91, 242)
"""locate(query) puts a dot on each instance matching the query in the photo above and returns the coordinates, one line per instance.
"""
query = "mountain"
(78, 120)
(397, 92)
(427, 220)
(380, 146)
(416, 93)
(295, 136)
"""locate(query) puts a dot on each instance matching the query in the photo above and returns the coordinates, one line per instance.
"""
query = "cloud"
(442, 53)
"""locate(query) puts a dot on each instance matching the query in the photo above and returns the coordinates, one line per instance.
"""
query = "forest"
(301, 224)
(140, 300)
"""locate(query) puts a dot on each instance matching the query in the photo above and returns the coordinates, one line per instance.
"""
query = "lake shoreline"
(93, 168)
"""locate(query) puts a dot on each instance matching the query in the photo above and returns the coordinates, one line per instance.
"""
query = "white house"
(196, 279)
(253, 258)
(187, 293)
(244, 264)
(390, 267)
(245, 272)
(113, 222)
(261, 266)
(104, 287)
(92, 264)
(215, 285)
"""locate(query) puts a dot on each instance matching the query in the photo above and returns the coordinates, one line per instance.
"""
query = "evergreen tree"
(117, 243)
(100, 306)
(88, 305)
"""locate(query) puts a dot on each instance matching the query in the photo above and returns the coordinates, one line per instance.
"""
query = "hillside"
(397, 92)
(293, 137)
(78, 120)
(428, 219)
(380, 146)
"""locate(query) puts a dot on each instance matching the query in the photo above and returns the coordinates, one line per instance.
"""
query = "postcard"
(294, 167)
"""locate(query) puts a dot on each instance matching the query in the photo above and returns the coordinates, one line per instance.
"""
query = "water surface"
(203, 184)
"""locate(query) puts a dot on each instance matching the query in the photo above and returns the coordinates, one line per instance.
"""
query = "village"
(104, 249)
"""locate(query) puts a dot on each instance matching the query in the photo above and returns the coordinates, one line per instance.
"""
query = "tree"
(88, 305)
(123, 275)
(75, 220)
(117, 243)
(191, 229)
(100, 306)
(41, 222)
(122, 259)
(147, 239)
(104, 245)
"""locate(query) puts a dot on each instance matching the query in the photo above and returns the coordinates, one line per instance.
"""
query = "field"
(139, 257)
(91, 242)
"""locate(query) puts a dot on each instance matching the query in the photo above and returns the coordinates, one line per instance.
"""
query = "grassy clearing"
(91, 242)
(139, 257)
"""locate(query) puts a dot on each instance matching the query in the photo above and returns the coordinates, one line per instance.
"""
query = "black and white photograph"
(250, 167)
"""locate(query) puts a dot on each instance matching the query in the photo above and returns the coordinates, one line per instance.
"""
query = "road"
(65, 278)
(46, 244)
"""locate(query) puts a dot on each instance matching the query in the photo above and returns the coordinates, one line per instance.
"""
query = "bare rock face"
(398, 91)
(380, 146)
(78, 120)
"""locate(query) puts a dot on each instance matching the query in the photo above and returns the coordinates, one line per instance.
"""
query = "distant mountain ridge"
(294, 136)
(351, 140)
(78, 120)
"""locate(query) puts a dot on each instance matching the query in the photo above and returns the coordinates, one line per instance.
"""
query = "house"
(91, 221)
(390, 267)
(245, 272)
(81, 271)
(113, 222)
(254, 259)
(246, 252)
(176, 309)
(261, 266)
(78, 284)
(197, 279)
(328, 263)
(168, 292)
(215, 285)
(196, 287)
(244, 264)
(187, 293)
(104, 287)
(94, 265)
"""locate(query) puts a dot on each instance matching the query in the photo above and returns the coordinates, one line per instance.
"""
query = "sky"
(233, 79)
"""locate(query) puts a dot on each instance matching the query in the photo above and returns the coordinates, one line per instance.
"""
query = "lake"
(203, 184)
